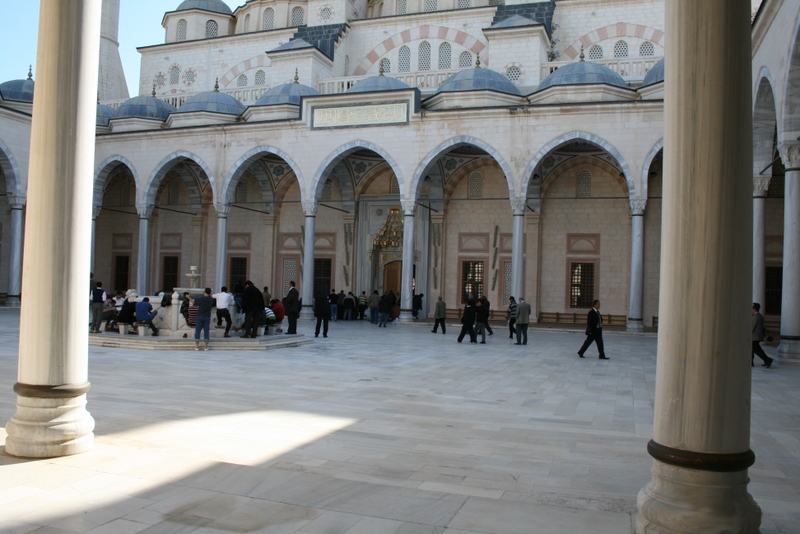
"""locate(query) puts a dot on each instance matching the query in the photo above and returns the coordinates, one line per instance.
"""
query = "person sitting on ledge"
(145, 314)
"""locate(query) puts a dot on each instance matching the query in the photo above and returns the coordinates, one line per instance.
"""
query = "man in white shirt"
(224, 300)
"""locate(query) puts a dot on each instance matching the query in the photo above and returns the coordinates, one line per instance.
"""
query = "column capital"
(790, 154)
(222, 210)
(409, 207)
(518, 205)
(310, 208)
(17, 202)
(760, 186)
(96, 212)
(637, 206)
(144, 210)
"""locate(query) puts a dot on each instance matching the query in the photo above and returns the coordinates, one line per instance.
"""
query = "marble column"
(17, 204)
(95, 215)
(518, 248)
(310, 209)
(636, 292)
(145, 211)
(701, 426)
(52, 381)
(222, 246)
(760, 187)
(789, 349)
(407, 274)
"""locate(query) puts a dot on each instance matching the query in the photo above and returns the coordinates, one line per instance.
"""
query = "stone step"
(278, 341)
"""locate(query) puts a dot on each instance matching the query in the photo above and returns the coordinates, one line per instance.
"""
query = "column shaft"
(635, 297)
(51, 417)
(518, 254)
(759, 264)
(222, 251)
(307, 310)
(789, 349)
(15, 256)
(701, 431)
(407, 274)
(141, 264)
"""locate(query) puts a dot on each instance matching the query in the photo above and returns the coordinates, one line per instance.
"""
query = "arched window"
(584, 185)
(401, 7)
(514, 73)
(241, 192)
(495, 2)
(182, 30)
(386, 65)
(346, 65)
(596, 52)
(462, 4)
(174, 75)
(647, 49)
(431, 5)
(325, 196)
(241, 81)
(269, 19)
(394, 185)
(475, 185)
(424, 60)
(211, 29)
(620, 49)
(404, 59)
(325, 13)
(189, 77)
(261, 78)
(465, 60)
(247, 23)
(298, 16)
(445, 56)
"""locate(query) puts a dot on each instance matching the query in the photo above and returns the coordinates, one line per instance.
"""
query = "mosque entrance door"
(392, 272)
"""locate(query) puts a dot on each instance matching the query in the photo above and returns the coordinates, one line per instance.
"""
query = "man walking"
(481, 320)
(758, 336)
(292, 304)
(523, 318)
(511, 316)
(439, 315)
(594, 331)
(468, 323)
(224, 301)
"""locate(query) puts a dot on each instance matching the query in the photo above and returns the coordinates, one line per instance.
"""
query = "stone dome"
(655, 74)
(583, 73)
(18, 90)
(288, 93)
(145, 107)
(104, 114)
(213, 101)
(478, 79)
(377, 83)
(215, 6)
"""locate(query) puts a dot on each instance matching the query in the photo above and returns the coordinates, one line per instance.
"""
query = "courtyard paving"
(371, 431)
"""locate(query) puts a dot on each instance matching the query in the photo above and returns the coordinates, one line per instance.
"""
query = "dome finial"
(582, 56)
(478, 62)
(296, 77)
(30, 72)
(154, 90)
(216, 85)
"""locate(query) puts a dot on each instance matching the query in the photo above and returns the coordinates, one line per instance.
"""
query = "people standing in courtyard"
(757, 337)
(481, 319)
(488, 307)
(384, 309)
(374, 302)
(511, 317)
(363, 301)
(98, 297)
(267, 295)
(253, 306)
(439, 315)
(322, 311)
(292, 304)
(594, 331)
(523, 319)
(145, 314)
(333, 299)
(203, 319)
(350, 303)
(340, 305)
(468, 323)
(224, 302)
(416, 305)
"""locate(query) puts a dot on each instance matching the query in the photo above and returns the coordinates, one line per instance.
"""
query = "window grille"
(507, 279)
(174, 75)
(298, 16)
(404, 59)
(122, 268)
(247, 23)
(774, 287)
(160, 79)
(269, 19)
(261, 78)
(776, 186)
(289, 270)
(514, 73)
(394, 186)
(241, 81)
(581, 285)
(495, 2)
(621, 49)
(211, 29)
(346, 65)
(584, 186)
(238, 270)
(445, 55)
(241, 192)
(647, 49)
(387, 65)
(182, 30)
(596, 52)
(325, 196)
(401, 7)
(475, 185)
(462, 4)
(169, 272)
(471, 280)
(424, 60)
(322, 276)
(190, 76)
(431, 5)
(326, 13)
(465, 60)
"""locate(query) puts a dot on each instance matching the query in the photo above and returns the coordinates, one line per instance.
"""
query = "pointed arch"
(102, 177)
(147, 196)
(765, 121)
(620, 29)
(648, 162)
(789, 128)
(244, 163)
(8, 164)
(335, 157)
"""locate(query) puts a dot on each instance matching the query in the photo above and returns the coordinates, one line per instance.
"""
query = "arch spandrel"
(102, 176)
(245, 162)
(148, 193)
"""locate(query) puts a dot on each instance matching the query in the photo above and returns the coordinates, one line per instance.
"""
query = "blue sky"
(140, 25)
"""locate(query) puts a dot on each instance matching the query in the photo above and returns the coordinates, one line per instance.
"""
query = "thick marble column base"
(789, 351)
(404, 317)
(49, 427)
(634, 325)
(13, 301)
(307, 312)
(690, 501)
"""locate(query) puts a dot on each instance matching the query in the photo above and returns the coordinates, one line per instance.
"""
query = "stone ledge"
(165, 343)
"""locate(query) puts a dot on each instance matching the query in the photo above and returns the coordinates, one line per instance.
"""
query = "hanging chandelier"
(391, 233)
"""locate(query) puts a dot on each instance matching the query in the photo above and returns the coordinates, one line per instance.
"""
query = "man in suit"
(594, 331)
(758, 337)
(439, 315)
(292, 304)
(523, 319)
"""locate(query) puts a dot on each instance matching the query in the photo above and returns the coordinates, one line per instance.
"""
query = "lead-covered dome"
(215, 6)
(377, 83)
(213, 101)
(583, 73)
(18, 90)
(145, 107)
(288, 93)
(655, 74)
(104, 114)
(478, 79)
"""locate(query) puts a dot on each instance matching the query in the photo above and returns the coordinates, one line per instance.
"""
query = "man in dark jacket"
(322, 311)
(468, 322)
(253, 307)
(481, 320)
(292, 304)
(758, 336)
(594, 331)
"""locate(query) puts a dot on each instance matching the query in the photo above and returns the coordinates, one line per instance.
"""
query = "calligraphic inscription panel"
(366, 115)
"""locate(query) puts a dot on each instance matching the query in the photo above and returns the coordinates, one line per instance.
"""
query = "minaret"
(111, 84)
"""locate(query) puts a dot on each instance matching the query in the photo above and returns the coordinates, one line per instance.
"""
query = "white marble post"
(14, 291)
(145, 211)
(407, 274)
(95, 215)
(52, 381)
(701, 427)
(760, 188)
(222, 245)
(636, 292)
(310, 210)
(518, 248)
(789, 349)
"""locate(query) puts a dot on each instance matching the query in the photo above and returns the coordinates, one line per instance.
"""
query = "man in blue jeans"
(145, 314)
(203, 321)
